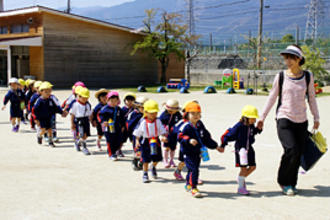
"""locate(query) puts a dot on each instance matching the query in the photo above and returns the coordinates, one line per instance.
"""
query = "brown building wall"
(175, 68)
(100, 56)
(37, 62)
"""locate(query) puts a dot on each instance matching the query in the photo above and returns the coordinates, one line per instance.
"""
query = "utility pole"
(260, 34)
(314, 18)
(1, 5)
(211, 42)
(68, 9)
(191, 26)
(249, 48)
(297, 35)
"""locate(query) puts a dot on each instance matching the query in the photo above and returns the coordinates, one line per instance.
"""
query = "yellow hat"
(250, 111)
(83, 92)
(31, 81)
(37, 84)
(21, 82)
(129, 94)
(151, 106)
(45, 85)
(77, 89)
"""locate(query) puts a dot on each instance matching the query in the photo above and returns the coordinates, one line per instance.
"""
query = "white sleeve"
(73, 109)
(161, 128)
(138, 132)
(89, 111)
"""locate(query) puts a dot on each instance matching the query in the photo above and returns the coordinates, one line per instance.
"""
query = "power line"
(314, 18)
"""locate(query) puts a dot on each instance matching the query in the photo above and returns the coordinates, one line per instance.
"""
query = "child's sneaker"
(17, 128)
(55, 139)
(195, 193)
(120, 153)
(85, 151)
(200, 182)
(295, 190)
(154, 172)
(39, 139)
(77, 145)
(172, 164)
(13, 129)
(166, 164)
(188, 187)
(113, 158)
(177, 175)
(288, 190)
(46, 138)
(135, 164)
(243, 191)
(145, 178)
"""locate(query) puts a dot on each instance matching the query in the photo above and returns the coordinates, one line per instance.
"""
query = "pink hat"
(79, 83)
(113, 94)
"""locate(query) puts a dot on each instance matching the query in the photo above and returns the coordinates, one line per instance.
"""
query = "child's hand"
(164, 139)
(221, 149)
(193, 142)
(3, 108)
(105, 124)
(73, 127)
(64, 114)
(94, 124)
(260, 124)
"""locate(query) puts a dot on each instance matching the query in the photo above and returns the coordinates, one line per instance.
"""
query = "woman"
(292, 86)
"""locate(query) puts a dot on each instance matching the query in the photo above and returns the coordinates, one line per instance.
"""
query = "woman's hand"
(316, 125)
(260, 124)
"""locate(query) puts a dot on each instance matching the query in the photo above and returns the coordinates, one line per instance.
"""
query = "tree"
(314, 62)
(166, 37)
(288, 38)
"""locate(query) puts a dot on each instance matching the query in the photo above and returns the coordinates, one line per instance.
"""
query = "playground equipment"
(142, 89)
(210, 89)
(178, 84)
(161, 89)
(231, 79)
(227, 78)
(184, 90)
(236, 79)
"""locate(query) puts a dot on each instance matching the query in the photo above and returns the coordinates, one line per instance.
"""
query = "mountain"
(225, 19)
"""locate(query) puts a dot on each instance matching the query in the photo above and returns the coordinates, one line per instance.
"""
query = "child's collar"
(81, 102)
(148, 121)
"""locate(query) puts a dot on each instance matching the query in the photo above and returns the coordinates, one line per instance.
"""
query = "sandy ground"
(38, 182)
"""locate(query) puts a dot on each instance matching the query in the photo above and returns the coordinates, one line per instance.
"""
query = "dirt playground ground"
(39, 182)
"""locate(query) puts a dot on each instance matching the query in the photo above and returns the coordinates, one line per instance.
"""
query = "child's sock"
(241, 180)
(145, 173)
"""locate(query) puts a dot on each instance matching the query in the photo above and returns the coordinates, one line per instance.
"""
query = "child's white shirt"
(149, 132)
(80, 110)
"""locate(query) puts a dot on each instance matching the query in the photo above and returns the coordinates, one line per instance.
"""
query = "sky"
(12, 4)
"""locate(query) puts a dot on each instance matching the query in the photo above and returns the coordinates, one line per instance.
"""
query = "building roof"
(38, 8)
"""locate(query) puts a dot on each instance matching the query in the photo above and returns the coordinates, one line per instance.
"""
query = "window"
(3, 30)
(19, 28)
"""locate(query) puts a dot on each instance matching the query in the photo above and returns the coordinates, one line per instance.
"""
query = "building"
(63, 48)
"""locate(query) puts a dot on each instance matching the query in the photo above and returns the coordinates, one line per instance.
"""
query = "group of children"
(138, 123)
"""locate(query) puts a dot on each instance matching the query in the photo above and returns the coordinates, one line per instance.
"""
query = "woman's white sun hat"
(291, 49)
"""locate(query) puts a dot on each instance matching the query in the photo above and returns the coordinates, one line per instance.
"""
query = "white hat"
(172, 104)
(140, 100)
(13, 80)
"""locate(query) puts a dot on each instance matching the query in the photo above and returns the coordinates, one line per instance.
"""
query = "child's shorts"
(46, 123)
(251, 158)
(146, 153)
(181, 156)
(99, 129)
(15, 112)
(172, 142)
(83, 126)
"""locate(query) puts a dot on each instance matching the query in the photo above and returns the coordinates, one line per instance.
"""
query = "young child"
(112, 119)
(132, 122)
(101, 95)
(22, 86)
(243, 133)
(73, 96)
(169, 118)
(129, 99)
(32, 101)
(193, 138)
(81, 113)
(43, 110)
(148, 136)
(28, 94)
(16, 97)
